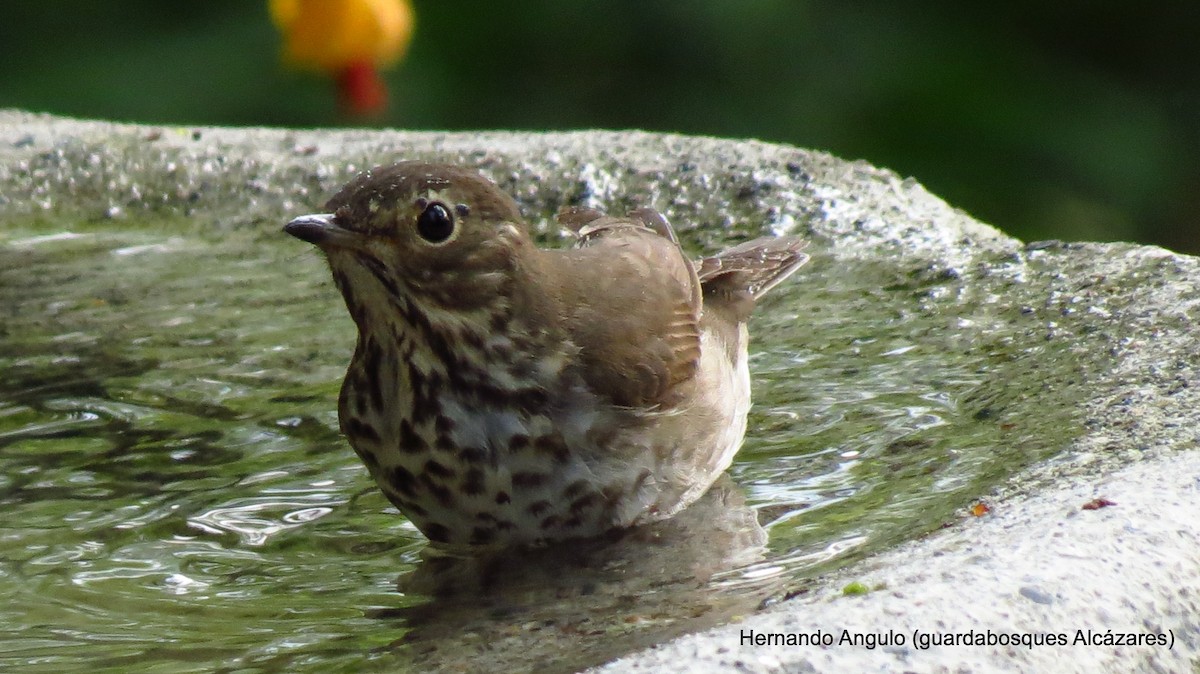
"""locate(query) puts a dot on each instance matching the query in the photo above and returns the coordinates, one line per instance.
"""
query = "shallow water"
(176, 496)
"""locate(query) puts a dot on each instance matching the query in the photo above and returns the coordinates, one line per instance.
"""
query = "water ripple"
(255, 520)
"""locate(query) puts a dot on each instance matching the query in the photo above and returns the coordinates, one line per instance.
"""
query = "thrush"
(501, 393)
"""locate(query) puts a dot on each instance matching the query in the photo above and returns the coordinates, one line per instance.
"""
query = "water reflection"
(562, 606)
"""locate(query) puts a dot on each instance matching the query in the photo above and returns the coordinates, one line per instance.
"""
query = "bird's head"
(418, 235)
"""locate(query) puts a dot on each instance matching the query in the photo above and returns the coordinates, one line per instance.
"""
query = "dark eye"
(435, 224)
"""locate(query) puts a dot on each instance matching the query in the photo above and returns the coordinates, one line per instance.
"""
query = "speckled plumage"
(501, 393)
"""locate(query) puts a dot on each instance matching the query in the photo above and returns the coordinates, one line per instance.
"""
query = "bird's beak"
(320, 230)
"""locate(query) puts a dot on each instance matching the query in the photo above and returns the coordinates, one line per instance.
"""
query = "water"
(176, 496)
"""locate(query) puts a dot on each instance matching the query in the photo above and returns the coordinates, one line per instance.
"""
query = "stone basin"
(1081, 355)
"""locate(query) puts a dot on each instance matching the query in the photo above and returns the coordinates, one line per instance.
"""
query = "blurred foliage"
(1073, 120)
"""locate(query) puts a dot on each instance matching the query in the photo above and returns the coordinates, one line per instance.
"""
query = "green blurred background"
(1071, 120)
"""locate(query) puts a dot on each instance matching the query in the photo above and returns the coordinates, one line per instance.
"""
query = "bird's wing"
(734, 279)
(633, 303)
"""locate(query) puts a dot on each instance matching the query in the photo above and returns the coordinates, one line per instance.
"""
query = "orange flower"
(348, 39)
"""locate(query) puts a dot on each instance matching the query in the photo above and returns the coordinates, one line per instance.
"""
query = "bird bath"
(178, 498)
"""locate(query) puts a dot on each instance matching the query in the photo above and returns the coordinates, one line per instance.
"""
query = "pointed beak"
(320, 230)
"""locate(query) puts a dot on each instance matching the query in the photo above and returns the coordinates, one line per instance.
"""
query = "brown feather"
(735, 279)
(637, 327)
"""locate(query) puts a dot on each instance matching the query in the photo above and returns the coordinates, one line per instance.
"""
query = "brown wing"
(633, 306)
(734, 279)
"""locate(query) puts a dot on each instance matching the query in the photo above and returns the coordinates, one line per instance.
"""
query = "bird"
(505, 394)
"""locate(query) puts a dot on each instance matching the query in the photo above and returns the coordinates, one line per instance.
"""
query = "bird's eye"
(435, 224)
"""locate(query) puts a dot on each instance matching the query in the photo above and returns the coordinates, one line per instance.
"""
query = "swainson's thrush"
(502, 393)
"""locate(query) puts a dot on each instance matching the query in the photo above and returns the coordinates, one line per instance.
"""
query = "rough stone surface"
(248, 177)
(1037, 564)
